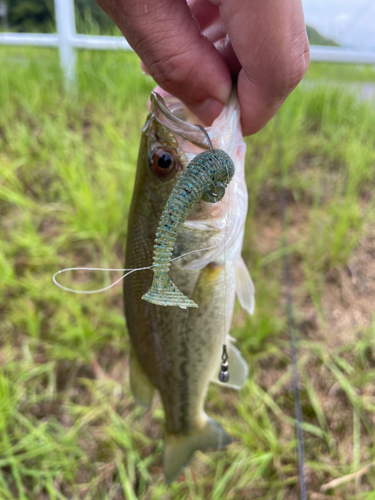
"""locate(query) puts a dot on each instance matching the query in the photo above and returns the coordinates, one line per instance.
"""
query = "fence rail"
(67, 41)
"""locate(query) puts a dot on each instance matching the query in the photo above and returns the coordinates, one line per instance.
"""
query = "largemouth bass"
(175, 352)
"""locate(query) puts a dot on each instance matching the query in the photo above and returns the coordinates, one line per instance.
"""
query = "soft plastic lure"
(205, 178)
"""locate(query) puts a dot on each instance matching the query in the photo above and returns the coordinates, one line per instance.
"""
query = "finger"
(205, 12)
(162, 92)
(215, 32)
(226, 51)
(144, 69)
(269, 38)
(168, 40)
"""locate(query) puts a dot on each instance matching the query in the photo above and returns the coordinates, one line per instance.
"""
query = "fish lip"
(165, 116)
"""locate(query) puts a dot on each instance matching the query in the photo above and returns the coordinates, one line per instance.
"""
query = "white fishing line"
(220, 447)
(99, 290)
(104, 269)
(222, 209)
(225, 259)
(224, 352)
(129, 271)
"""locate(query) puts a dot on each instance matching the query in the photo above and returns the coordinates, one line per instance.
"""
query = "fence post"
(66, 30)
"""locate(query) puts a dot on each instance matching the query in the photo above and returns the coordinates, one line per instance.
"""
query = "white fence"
(67, 41)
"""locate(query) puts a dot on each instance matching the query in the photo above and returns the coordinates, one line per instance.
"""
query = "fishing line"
(291, 323)
(224, 374)
(104, 269)
(99, 290)
(224, 366)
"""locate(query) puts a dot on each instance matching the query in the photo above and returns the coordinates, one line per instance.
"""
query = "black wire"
(292, 330)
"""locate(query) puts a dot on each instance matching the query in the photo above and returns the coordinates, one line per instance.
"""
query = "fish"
(177, 351)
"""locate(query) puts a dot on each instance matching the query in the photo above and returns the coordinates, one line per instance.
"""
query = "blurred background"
(345, 23)
(38, 16)
(69, 428)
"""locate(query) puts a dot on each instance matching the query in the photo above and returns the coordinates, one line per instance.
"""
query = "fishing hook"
(206, 134)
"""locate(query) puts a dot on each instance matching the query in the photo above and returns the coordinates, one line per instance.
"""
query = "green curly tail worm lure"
(205, 178)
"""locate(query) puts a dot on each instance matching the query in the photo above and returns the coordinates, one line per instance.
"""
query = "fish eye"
(162, 161)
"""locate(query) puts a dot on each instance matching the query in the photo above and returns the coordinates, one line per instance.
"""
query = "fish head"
(170, 140)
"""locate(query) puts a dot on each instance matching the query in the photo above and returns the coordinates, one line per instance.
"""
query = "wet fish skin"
(173, 351)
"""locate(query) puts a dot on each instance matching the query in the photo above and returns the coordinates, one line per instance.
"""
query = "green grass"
(341, 73)
(68, 426)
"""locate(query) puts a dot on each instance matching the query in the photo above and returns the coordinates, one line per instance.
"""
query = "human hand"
(195, 51)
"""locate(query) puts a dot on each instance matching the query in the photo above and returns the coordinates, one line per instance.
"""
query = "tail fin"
(178, 450)
(165, 293)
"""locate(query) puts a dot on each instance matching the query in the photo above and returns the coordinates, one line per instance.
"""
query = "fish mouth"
(174, 115)
(223, 220)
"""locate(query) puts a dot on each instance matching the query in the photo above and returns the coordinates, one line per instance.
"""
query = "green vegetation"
(315, 38)
(39, 16)
(68, 426)
(31, 15)
(341, 73)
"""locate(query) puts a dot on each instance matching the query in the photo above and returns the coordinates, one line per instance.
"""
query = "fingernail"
(208, 110)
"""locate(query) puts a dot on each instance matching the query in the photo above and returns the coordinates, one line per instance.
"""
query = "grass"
(68, 426)
(342, 73)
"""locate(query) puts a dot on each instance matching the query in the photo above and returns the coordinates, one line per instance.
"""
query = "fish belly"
(200, 340)
(178, 349)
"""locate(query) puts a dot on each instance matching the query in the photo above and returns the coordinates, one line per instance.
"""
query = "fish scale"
(173, 351)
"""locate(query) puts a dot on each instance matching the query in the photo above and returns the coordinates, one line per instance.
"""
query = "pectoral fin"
(238, 369)
(142, 389)
(244, 287)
